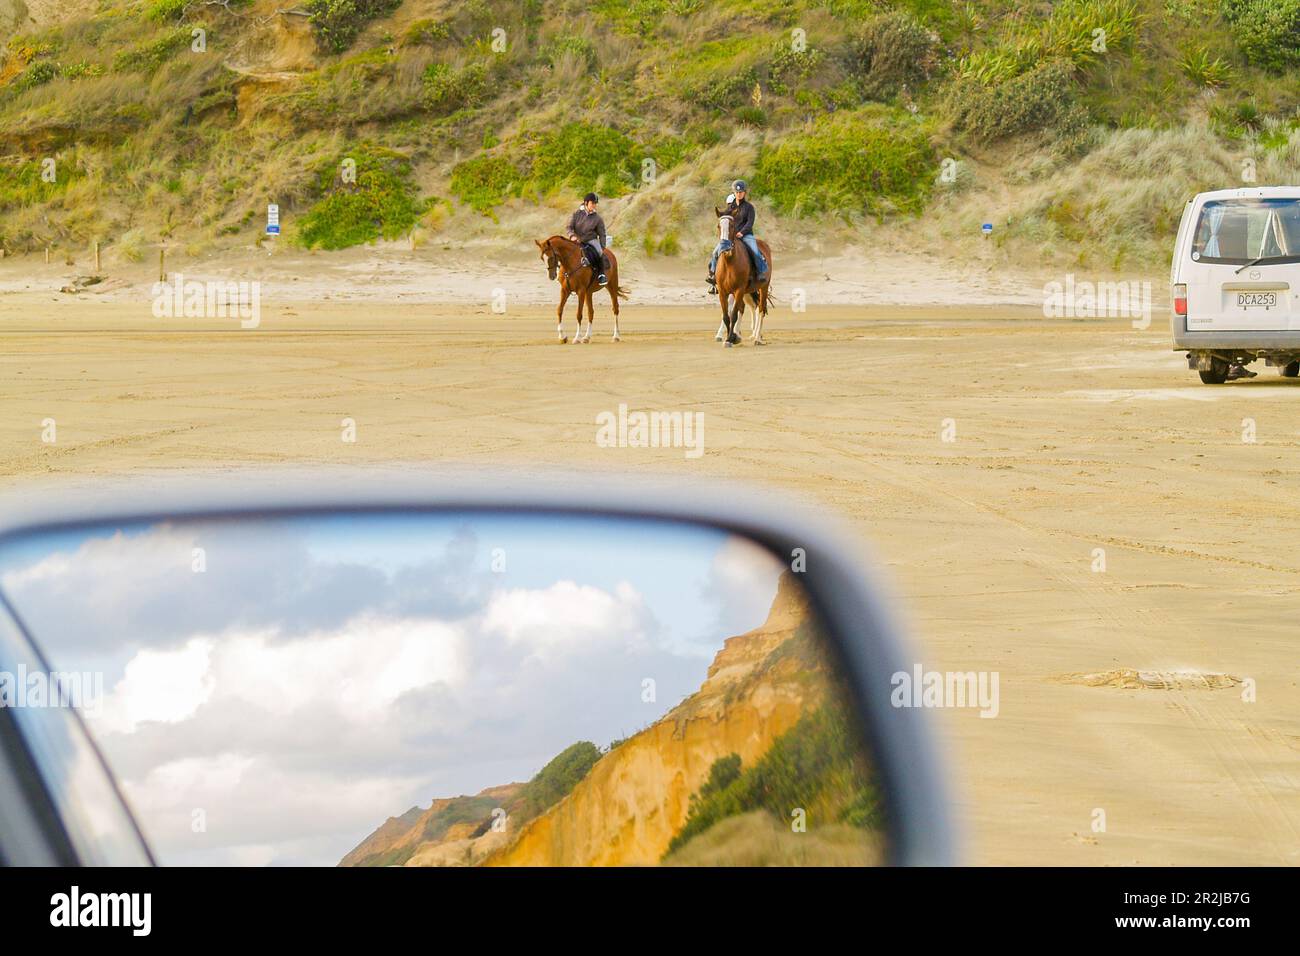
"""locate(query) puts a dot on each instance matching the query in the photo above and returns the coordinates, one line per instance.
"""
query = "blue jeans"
(752, 243)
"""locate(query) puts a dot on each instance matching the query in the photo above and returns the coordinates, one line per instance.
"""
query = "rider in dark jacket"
(586, 226)
(742, 228)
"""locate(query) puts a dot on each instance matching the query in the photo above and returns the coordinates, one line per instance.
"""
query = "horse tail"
(622, 292)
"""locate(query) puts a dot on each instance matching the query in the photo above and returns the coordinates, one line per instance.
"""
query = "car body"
(1235, 280)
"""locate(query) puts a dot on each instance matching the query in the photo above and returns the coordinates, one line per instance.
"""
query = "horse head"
(548, 254)
(724, 227)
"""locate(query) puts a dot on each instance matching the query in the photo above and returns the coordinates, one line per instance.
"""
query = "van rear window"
(1238, 231)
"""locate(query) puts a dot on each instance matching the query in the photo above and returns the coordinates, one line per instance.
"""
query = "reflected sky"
(319, 675)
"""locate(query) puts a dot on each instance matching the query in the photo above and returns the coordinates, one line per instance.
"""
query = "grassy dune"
(1078, 128)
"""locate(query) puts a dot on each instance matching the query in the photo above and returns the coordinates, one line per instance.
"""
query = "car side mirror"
(372, 673)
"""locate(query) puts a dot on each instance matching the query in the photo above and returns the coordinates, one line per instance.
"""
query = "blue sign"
(986, 228)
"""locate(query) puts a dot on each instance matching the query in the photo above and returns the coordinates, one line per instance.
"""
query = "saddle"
(753, 264)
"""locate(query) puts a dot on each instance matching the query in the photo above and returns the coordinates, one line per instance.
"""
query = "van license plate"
(1257, 300)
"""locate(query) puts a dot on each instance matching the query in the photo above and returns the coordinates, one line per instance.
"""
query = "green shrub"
(426, 33)
(719, 74)
(21, 185)
(790, 67)
(37, 73)
(486, 181)
(577, 47)
(381, 202)
(81, 68)
(816, 764)
(1081, 31)
(165, 9)
(1077, 31)
(149, 57)
(554, 781)
(724, 772)
(668, 151)
(1201, 69)
(449, 88)
(338, 23)
(873, 162)
(889, 52)
(1044, 98)
(1267, 31)
(585, 156)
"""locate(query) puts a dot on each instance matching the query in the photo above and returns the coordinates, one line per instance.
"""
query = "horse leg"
(577, 335)
(613, 298)
(734, 337)
(559, 313)
(760, 314)
(724, 330)
(591, 317)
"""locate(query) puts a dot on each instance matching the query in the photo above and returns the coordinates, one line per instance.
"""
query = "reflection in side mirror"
(464, 688)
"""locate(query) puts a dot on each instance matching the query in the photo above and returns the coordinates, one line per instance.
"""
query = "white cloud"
(742, 583)
(166, 686)
(299, 701)
(567, 616)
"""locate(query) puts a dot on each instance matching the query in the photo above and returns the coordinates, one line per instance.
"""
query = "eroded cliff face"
(628, 808)
(635, 798)
(442, 835)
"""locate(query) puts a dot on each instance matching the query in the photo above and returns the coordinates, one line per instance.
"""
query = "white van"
(1236, 280)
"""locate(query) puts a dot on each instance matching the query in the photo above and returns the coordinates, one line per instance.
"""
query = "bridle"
(551, 259)
(724, 233)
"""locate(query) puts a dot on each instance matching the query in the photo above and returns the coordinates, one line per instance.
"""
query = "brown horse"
(565, 257)
(737, 278)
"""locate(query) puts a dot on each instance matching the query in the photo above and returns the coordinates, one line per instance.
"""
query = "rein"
(567, 251)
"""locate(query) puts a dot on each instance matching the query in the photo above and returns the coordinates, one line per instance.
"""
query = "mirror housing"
(864, 638)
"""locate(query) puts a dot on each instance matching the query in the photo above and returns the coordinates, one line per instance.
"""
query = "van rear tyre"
(1214, 376)
(1290, 371)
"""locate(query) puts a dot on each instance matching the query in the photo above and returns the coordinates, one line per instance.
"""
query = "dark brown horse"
(737, 278)
(564, 256)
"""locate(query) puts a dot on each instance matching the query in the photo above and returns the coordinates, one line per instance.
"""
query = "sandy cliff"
(636, 798)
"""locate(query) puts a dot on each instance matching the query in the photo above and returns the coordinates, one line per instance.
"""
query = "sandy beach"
(1121, 689)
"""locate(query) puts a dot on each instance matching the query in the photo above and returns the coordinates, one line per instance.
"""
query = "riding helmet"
(591, 197)
(740, 186)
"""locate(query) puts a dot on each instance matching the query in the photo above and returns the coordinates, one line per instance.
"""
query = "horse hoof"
(616, 339)
(727, 345)
(717, 338)
(759, 342)
(564, 339)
